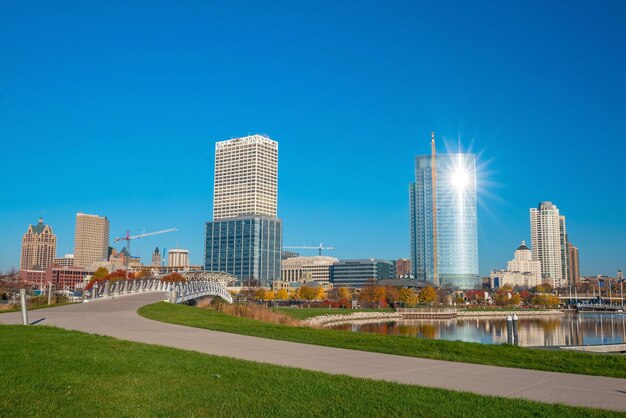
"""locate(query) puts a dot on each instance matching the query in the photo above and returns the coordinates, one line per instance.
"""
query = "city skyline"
(532, 106)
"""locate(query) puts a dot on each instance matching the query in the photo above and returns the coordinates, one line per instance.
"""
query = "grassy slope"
(304, 313)
(53, 372)
(34, 308)
(509, 356)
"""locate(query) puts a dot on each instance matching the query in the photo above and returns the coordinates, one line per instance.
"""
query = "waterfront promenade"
(118, 318)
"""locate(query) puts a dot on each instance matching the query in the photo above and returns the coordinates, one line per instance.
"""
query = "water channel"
(569, 329)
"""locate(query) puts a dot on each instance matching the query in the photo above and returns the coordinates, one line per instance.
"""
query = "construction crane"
(319, 248)
(128, 237)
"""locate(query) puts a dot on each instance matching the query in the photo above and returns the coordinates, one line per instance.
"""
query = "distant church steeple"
(156, 258)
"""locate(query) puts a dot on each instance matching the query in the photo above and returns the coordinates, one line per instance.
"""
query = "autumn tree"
(502, 297)
(545, 300)
(344, 293)
(282, 294)
(307, 292)
(100, 273)
(142, 274)
(174, 278)
(373, 295)
(543, 288)
(525, 296)
(408, 296)
(515, 300)
(392, 294)
(259, 294)
(117, 275)
(428, 295)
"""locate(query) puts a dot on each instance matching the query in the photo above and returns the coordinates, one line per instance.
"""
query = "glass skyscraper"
(444, 243)
(248, 247)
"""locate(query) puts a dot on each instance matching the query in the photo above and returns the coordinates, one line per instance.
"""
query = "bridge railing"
(194, 285)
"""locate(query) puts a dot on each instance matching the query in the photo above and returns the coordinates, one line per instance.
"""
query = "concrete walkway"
(118, 318)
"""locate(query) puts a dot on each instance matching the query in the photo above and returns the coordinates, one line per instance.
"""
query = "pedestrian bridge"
(195, 284)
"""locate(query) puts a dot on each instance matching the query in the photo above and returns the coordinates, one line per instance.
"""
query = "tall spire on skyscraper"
(433, 167)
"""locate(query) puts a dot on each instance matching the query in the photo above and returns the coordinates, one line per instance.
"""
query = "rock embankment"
(324, 320)
(499, 314)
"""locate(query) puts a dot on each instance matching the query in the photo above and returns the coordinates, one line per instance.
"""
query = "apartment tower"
(245, 236)
(39, 247)
(573, 267)
(91, 241)
(549, 243)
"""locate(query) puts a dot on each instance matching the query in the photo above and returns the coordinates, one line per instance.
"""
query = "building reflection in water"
(570, 329)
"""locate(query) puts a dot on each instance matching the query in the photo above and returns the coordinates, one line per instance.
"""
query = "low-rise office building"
(308, 269)
(358, 273)
(62, 278)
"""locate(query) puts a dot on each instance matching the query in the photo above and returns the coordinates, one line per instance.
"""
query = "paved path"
(118, 318)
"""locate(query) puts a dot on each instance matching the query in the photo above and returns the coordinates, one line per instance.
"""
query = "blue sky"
(113, 108)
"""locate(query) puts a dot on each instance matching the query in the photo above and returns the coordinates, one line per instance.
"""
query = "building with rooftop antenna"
(245, 236)
(39, 247)
(443, 220)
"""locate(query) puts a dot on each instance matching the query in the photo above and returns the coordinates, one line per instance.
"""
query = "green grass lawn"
(304, 313)
(48, 371)
(497, 355)
(34, 308)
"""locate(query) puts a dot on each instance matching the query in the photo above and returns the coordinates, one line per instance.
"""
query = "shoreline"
(374, 317)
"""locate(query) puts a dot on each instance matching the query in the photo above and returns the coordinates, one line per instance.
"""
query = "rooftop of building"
(523, 247)
(365, 260)
(412, 283)
(38, 229)
(250, 139)
(313, 258)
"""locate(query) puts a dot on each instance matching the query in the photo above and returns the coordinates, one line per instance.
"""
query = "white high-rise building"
(521, 271)
(178, 258)
(91, 241)
(246, 177)
(548, 236)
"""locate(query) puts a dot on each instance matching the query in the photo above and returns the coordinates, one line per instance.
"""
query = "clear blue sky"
(114, 108)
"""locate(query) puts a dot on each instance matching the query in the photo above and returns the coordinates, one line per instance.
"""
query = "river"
(569, 329)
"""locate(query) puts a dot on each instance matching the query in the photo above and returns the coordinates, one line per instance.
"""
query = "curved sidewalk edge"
(118, 318)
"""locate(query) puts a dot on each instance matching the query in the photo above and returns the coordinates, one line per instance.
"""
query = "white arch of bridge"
(196, 284)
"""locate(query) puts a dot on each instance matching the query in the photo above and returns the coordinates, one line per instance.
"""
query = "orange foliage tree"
(174, 278)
